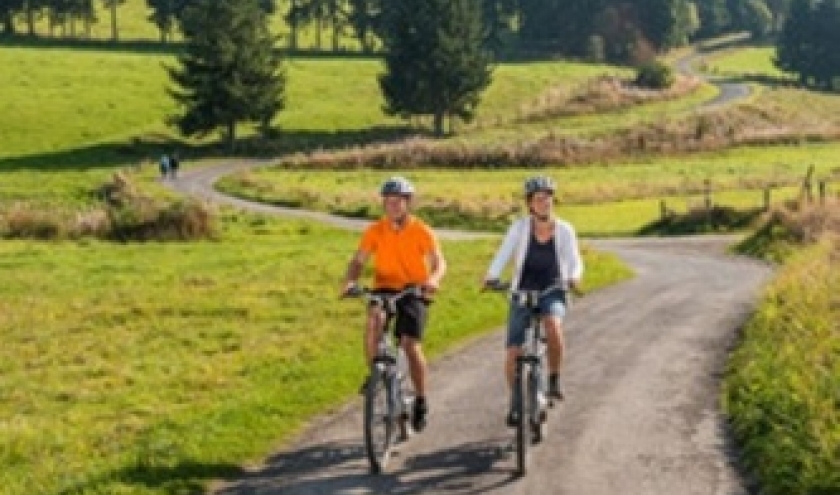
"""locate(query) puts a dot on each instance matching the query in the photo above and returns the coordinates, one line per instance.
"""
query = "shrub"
(655, 75)
(23, 221)
(126, 215)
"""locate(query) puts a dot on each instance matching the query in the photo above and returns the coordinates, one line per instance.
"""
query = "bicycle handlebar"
(387, 301)
(524, 297)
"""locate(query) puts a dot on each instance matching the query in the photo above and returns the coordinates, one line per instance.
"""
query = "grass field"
(144, 368)
(600, 200)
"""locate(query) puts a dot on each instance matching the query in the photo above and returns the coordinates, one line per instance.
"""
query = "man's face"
(541, 203)
(395, 206)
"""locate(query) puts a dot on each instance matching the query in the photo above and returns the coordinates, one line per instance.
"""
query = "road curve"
(728, 92)
(642, 376)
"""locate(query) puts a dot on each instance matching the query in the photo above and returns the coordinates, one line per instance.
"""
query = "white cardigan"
(569, 262)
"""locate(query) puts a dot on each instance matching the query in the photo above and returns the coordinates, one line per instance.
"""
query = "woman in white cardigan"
(545, 253)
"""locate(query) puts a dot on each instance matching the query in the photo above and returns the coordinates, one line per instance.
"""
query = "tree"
(795, 47)
(436, 62)
(112, 5)
(230, 71)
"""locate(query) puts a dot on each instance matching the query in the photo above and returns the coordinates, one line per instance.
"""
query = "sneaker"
(555, 389)
(418, 419)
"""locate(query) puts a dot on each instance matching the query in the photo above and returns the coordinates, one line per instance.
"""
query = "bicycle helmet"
(397, 185)
(539, 183)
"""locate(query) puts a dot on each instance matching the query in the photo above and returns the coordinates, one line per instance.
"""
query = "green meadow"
(157, 367)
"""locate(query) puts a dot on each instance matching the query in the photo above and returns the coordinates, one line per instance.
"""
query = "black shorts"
(411, 316)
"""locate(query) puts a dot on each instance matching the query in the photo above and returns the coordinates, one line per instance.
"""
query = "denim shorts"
(551, 304)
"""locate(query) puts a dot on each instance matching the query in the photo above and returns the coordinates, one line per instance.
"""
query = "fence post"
(663, 210)
(822, 191)
(767, 192)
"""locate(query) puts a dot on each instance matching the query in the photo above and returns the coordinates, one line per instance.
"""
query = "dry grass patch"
(603, 94)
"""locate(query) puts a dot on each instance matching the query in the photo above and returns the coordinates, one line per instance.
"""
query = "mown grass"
(601, 200)
(148, 368)
(781, 388)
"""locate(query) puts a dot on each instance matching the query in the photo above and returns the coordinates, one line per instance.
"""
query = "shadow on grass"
(718, 219)
(149, 147)
(184, 477)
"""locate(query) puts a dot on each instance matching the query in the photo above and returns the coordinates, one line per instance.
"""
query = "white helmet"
(539, 183)
(397, 185)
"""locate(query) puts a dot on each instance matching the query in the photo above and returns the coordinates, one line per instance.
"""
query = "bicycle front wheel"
(521, 403)
(379, 420)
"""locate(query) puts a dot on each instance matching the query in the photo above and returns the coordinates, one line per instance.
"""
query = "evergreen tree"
(436, 61)
(8, 9)
(795, 46)
(230, 71)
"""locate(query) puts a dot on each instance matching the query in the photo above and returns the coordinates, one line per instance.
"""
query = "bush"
(125, 215)
(24, 221)
(655, 75)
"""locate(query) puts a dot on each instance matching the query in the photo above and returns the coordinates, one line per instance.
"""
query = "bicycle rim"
(379, 422)
(536, 417)
(523, 426)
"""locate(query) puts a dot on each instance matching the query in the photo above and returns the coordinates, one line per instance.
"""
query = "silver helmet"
(398, 186)
(539, 183)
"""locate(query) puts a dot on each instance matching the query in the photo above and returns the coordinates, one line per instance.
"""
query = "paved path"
(643, 377)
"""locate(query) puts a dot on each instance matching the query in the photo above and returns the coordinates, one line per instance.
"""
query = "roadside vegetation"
(783, 382)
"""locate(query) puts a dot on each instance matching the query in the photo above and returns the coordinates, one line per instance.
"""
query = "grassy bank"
(782, 389)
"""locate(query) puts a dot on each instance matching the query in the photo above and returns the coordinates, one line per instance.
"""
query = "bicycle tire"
(523, 413)
(379, 421)
(537, 417)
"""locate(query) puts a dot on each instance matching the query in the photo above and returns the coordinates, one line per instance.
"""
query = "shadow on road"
(341, 467)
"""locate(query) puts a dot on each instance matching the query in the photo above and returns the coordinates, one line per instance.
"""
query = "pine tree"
(230, 71)
(436, 60)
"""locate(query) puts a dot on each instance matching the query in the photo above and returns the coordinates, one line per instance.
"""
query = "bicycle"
(388, 402)
(529, 404)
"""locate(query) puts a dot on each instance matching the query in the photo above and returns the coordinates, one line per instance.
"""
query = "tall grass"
(781, 389)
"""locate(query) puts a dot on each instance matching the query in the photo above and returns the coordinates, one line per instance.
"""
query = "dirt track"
(643, 375)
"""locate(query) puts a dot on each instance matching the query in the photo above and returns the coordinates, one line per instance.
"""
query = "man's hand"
(349, 286)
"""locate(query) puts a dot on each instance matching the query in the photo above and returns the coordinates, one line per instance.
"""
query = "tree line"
(611, 30)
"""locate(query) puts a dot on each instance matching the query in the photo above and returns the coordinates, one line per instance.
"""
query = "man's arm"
(354, 269)
(437, 266)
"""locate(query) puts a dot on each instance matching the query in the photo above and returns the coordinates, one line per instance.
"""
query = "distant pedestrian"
(164, 166)
(173, 165)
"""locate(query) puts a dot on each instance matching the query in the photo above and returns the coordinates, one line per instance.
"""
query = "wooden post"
(822, 191)
(663, 210)
(807, 192)
(767, 192)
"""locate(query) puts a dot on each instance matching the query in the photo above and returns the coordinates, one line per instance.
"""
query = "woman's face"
(540, 204)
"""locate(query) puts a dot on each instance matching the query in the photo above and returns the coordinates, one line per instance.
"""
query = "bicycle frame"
(387, 375)
(528, 401)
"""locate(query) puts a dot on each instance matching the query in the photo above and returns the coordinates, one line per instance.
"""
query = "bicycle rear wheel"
(521, 402)
(379, 420)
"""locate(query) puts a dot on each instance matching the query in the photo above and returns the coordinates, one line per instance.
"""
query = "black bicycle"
(529, 402)
(388, 402)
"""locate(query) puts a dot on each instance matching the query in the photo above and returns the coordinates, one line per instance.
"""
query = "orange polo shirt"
(400, 255)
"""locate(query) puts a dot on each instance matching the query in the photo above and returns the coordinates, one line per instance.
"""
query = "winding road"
(642, 377)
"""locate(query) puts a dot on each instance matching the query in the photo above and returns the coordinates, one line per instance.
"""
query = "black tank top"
(539, 269)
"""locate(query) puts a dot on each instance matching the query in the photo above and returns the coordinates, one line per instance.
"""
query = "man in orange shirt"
(406, 252)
